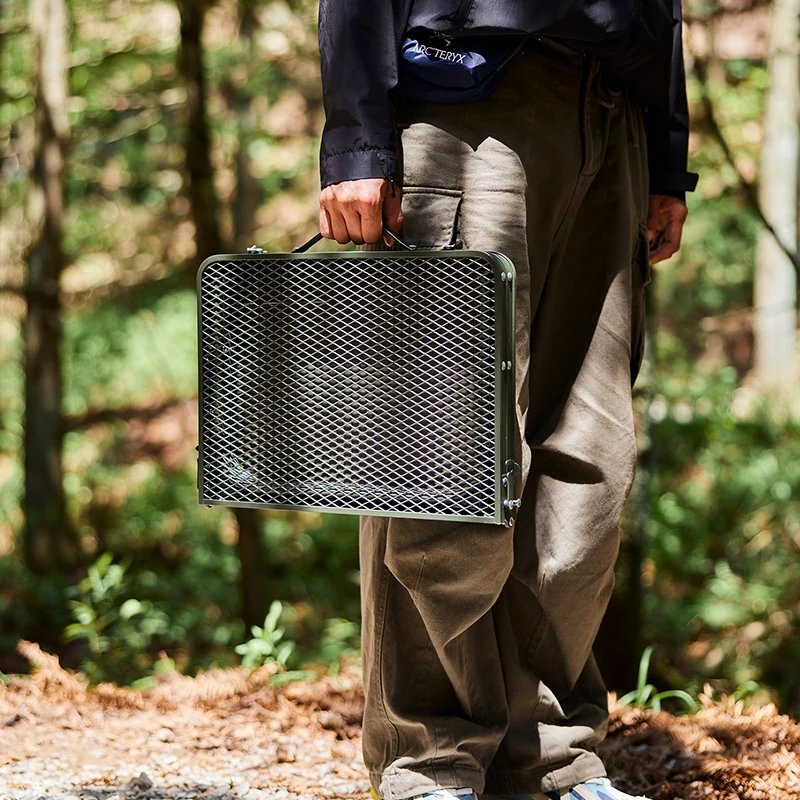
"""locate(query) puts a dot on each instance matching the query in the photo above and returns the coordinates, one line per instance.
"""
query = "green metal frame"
(505, 404)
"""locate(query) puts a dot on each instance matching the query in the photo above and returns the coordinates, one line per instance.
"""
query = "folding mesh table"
(376, 383)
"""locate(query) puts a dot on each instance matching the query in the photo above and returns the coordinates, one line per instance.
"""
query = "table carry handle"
(314, 239)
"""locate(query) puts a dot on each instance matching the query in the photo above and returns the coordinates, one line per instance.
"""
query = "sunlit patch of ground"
(229, 734)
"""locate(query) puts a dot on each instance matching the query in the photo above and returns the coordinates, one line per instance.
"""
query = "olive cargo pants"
(478, 639)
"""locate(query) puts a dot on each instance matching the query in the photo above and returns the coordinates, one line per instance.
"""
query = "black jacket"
(640, 40)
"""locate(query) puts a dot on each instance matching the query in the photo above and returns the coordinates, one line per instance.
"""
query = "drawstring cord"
(607, 93)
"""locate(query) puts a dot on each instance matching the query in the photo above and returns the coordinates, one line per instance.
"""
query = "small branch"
(110, 291)
(748, 189)
(720, 11)
(14, 26)
(126, 413)
(83, 56)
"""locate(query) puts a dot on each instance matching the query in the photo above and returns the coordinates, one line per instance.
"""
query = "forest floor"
(227, 735)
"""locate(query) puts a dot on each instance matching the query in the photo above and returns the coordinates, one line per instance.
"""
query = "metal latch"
(510, 503)
(254, 250)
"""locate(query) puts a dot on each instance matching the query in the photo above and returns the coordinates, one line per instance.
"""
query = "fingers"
(665, 220)
(353, 210)
(392, 211)
(331, 223)
(654, 220)
(352, 219)
(662, 253)
(673, 239)
(666, 245)
(338, 225)
(372, 223)
(325, 227)
(393, 214)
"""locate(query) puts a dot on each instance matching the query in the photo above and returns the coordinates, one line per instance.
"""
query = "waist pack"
(460, 69)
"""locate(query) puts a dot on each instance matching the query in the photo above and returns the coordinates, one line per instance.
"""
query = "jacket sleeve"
(359, 43)
(668, 128)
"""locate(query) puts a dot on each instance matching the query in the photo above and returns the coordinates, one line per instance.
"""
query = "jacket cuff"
(674, 184)
(353, 165)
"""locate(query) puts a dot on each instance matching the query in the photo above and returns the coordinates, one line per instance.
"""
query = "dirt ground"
(226, 735)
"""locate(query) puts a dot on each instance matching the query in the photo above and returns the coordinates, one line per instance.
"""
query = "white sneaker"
(449, 794)
(595, 789)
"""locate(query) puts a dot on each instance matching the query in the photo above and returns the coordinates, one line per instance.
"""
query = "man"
(477, 640)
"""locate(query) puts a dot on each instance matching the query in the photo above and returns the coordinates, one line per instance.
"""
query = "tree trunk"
(253, 585)
(205, 214)
(49, 541)
(202, 197)
(775, 281)
(248, 193)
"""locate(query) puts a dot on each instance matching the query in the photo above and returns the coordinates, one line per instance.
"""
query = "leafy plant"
(340, 641)
(645, 694)
(114, 627)
(267, 643)
(747, 689)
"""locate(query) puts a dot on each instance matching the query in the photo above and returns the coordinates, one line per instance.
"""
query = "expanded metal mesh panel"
(366, 382)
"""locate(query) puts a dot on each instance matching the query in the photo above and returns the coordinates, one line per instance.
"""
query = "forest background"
(138, 137)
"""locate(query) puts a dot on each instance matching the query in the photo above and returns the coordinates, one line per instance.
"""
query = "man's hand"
(665, 219)
(357, 210)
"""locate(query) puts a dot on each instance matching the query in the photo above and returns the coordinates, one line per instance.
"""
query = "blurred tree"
(205, 214)
(248, 193)
(202, 197)
(775, 282)
(50, 543)
(716, 582)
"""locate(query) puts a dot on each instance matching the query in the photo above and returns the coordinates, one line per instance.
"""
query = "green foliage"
(340, 641)
(721, 571)
(721, 567)
(33, 607)
(266, 644)
(714, 272)
(746, 690)
(646, 696)
(110, 356)
(130, 334)
(722, 536)
(116, 627)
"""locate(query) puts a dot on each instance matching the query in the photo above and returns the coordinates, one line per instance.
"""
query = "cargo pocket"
(640, 276)
(430, 216)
